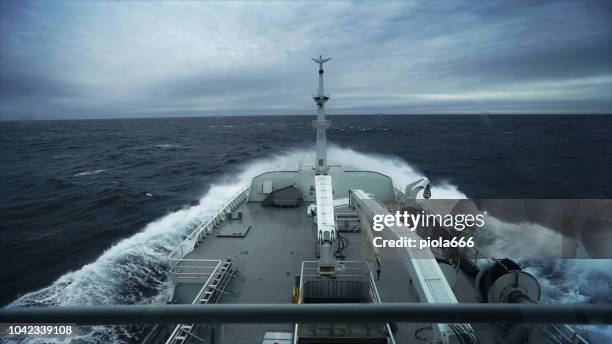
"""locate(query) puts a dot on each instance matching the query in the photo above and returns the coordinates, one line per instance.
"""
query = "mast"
(321, 124)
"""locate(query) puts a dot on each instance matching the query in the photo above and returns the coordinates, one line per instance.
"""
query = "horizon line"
(308, 115)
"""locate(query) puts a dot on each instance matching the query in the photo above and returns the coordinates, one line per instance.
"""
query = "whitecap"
(88, 173)
(167, 146)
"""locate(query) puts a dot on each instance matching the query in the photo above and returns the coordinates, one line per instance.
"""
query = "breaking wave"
(514, 240)
(134, 270)
(576, 281)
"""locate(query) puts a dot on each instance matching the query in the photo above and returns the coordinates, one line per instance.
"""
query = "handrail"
(563, 334)
(195, 301)
(180, 253)
(194, 269)
(329, 163)
(292, 313)
(376, 299)
(221, 274)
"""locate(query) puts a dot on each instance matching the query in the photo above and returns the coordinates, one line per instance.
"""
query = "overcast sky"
(85, 59)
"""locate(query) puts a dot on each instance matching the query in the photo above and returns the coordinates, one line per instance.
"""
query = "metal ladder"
(217, 284)
(211, 292)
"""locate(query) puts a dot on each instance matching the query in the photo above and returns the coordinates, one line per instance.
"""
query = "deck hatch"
(234, 231)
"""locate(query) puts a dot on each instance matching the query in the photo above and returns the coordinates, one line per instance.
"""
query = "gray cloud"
(17, 85)
(80, 59)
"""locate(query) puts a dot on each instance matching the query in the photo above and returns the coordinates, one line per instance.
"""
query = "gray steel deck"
(270, 256)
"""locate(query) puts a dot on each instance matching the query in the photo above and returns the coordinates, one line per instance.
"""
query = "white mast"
(321, 124)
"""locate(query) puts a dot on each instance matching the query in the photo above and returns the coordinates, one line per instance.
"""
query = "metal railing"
(192, 270)
(301, 164)
(348, 222)
(202, 230)
(562, 334)
(213, 289)
(346, 270)
(350, 270)
(376, 298)
(500, 313)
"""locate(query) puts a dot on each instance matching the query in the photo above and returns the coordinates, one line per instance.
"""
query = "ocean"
(91, 208)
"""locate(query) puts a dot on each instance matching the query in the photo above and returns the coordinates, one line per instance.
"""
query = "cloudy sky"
(84, 59)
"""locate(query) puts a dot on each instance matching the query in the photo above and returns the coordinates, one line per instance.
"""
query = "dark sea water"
(73, 189)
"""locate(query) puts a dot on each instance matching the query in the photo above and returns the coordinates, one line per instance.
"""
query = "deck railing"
(563, 334)
(192, 270)
(214, 288)
(350, 270)
(206, 226)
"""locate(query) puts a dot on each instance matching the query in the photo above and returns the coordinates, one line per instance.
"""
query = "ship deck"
(270, 256)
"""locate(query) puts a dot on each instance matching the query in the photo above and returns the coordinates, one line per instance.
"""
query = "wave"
(513, 240)
(576, 281)
(399, 170)
(134, 270)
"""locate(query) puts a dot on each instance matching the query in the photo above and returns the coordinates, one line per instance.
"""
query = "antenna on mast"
(321, 124)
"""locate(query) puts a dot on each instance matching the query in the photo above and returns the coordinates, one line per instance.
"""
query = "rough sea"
(89, 209)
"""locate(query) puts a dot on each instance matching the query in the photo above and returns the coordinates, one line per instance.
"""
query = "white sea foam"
(134, 270)
(88, 173)
(518, 240)
(576, 281)
(168, 146)
(399, 170)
